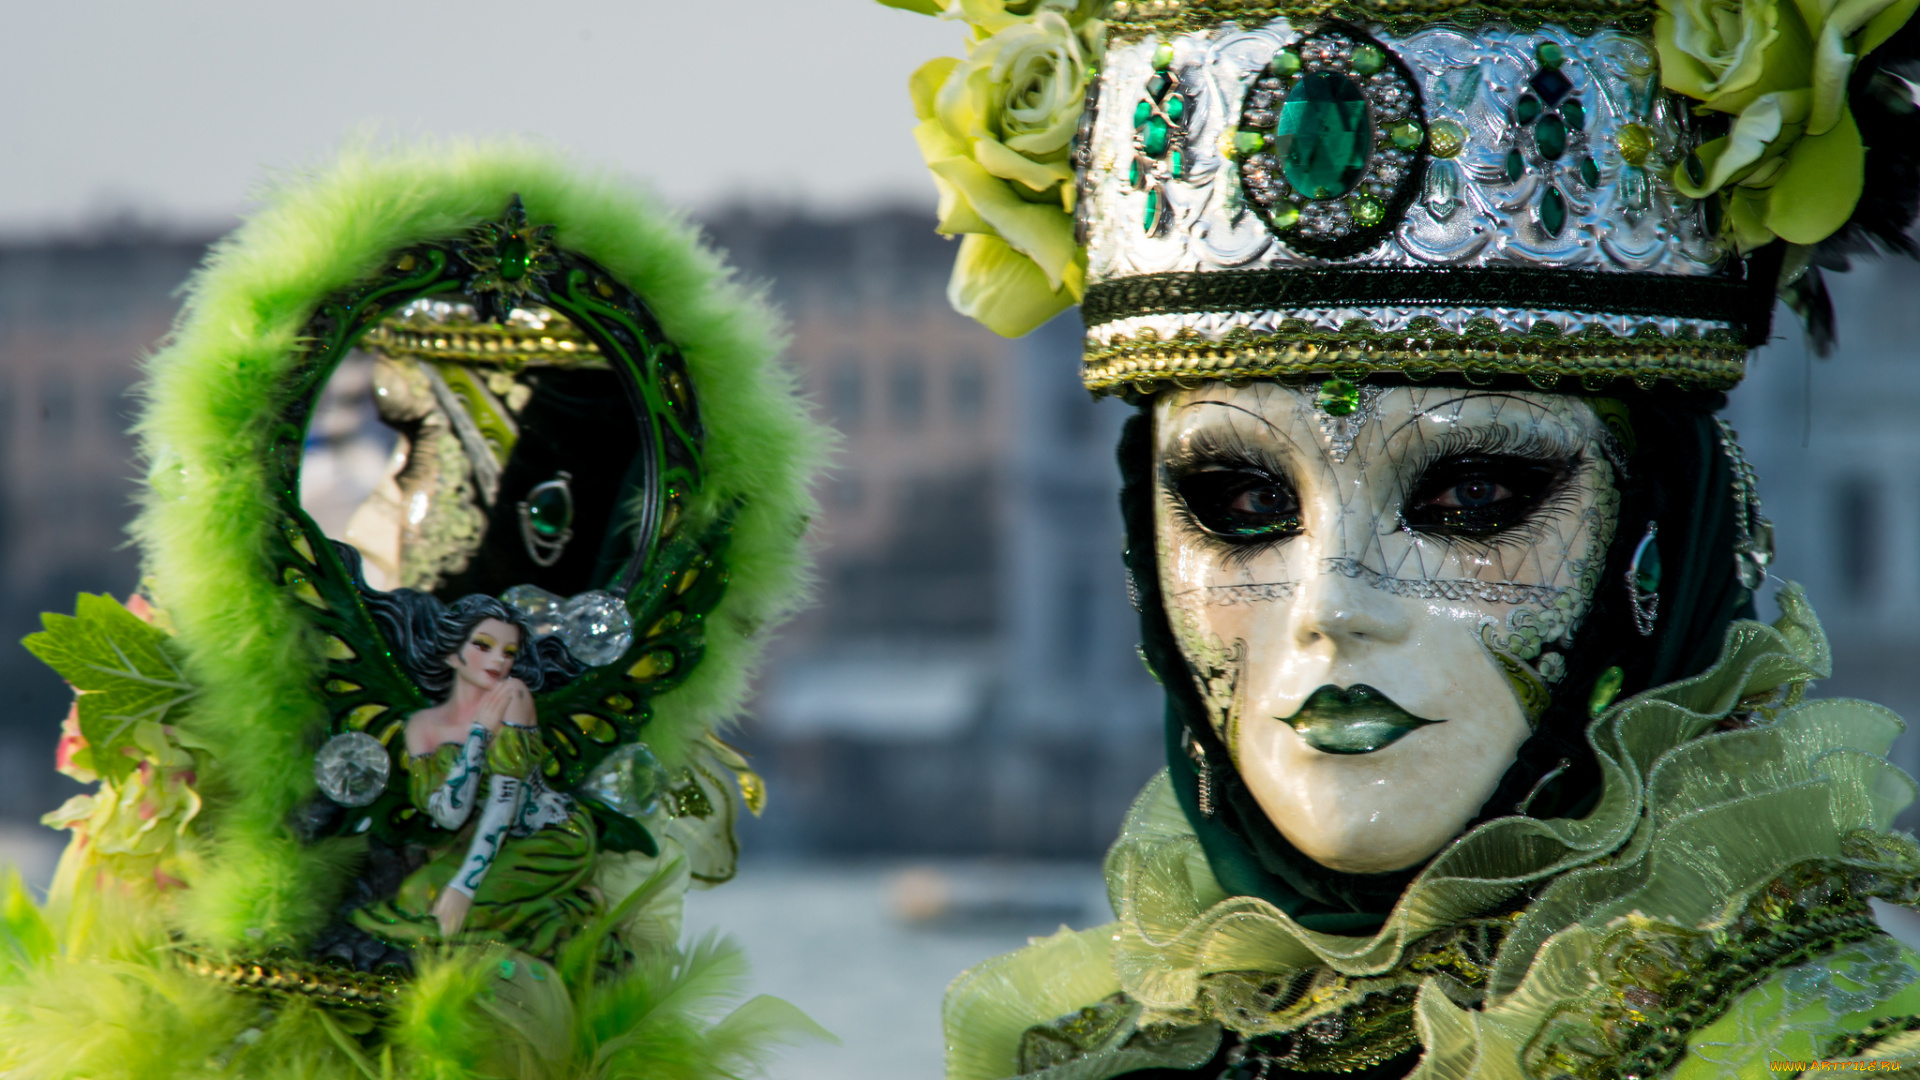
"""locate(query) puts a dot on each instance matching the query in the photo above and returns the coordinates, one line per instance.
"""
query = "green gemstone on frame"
(1367, 59)
(1177, 164)
(1589, 173)
(1157, 86)
(514, 257)
(1516, 166)
(1284, 216)
(1406, 134)
(1574, 113)
(1141, 112)
(1163, 56)
(1248, 142)
(1367, 211)
(1550, 54)
(1176, 107)
(1527, 109)
(1156, 206)
(1284, 62)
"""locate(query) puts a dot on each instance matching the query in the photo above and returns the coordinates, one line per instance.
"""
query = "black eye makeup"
(1230, 491)
(1485, 482)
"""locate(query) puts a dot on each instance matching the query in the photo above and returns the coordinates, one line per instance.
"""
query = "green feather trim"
(207, 518)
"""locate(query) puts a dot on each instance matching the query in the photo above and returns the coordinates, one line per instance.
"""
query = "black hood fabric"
(1675, 474)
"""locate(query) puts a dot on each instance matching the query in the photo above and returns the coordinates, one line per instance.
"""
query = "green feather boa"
(86, 987)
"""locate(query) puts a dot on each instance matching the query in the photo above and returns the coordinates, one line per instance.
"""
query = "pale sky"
(175, 111)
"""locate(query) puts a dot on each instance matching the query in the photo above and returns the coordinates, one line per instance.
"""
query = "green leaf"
(25, 937)
(127, 671)
(924, 7)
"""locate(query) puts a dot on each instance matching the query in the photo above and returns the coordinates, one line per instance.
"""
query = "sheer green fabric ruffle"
(1688, 818)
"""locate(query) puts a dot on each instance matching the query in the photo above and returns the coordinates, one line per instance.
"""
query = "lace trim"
(1658, 983)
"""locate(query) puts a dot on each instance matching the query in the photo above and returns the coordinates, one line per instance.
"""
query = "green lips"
(1356, 720)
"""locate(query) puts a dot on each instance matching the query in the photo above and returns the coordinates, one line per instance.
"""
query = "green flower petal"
(1821, 186)
(1003, 289)
(1764, 128)
(1883, 25)
(1040, 231)
(924, 7)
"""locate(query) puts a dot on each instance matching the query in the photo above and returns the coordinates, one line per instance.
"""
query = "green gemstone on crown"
(1527, 109)
(1574, 113)
(1163, 56)
(1284, 215)
(1589, 172)
(1338, 397)
(1406, 134)
(1553, 212)
(1157, 86)
(1550, 135)
(1141, 111)
(1550, 54)
(1284, 62)
(1324, 136)
(1367, 211)
(1154, 142)
(1156, 206)
(1368, 59)
(1176, 107)
(1176, 164)
(1516, 166)
(1248, 142)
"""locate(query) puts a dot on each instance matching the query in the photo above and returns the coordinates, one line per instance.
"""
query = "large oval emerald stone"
(1324, 135)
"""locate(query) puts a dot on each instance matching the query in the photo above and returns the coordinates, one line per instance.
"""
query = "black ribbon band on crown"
(1743, 303)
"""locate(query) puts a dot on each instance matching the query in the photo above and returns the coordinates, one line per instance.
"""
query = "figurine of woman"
(521, 856)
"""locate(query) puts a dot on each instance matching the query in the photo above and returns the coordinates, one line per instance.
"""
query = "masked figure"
(461, 760)
(1480, 761)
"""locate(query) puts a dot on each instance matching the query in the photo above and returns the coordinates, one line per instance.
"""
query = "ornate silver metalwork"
(1215, 326)
(1469, 213)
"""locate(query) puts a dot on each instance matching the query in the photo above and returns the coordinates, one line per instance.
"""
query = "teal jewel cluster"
(1159, 138)
(1331, 142)
(1555, 126)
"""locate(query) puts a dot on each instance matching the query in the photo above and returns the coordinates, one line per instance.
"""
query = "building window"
(1858, 537)
(909, 391)
(844, 394)
(969, 392)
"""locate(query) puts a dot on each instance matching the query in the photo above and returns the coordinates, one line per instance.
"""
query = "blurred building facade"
(75, 318)
(966, 683)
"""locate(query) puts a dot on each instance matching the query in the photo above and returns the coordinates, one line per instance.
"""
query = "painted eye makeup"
(1240, 504)
(1480, 495)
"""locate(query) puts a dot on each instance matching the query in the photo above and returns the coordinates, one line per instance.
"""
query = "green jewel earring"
(546, 519)
(1643, 582)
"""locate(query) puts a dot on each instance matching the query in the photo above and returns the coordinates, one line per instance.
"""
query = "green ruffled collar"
(1688, 817)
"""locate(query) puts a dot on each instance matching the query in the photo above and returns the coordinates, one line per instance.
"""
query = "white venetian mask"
(1374, 604)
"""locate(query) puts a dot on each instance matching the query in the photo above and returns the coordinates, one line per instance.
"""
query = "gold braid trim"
(511, 347)
(1128, 17)
(1143, 364)
(319, 983)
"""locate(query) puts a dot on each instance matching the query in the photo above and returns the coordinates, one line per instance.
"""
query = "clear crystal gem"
(629, 780)
(352, 769)
(596, 627)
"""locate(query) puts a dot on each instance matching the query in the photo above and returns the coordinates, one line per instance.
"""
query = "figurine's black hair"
(424, 632)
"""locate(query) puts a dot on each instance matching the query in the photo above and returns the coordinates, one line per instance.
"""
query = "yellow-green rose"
(996, 130)
(1793, 164)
